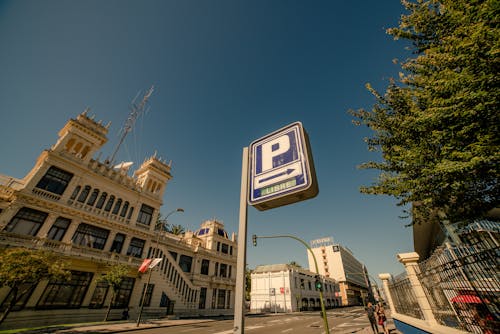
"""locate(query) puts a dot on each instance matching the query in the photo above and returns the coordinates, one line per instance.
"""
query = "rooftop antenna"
(136, 111)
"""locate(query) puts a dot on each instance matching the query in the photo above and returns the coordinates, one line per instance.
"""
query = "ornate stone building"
(95, 215)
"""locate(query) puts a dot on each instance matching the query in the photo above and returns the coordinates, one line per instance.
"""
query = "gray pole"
(239, 298)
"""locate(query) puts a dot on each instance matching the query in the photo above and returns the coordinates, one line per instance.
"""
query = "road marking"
(287, 330)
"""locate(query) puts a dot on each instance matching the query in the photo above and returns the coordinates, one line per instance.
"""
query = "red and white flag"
(145, 265)
(149, 264)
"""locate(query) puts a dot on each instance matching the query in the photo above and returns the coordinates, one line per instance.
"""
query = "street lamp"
(162, 224)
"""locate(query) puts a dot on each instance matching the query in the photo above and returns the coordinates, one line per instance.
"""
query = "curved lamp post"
(162, 224)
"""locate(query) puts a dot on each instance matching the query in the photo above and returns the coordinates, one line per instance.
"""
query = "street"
(345, 320)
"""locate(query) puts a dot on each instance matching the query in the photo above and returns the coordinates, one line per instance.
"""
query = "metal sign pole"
(239, 297)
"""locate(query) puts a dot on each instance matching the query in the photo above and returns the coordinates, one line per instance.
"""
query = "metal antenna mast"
(137, 110)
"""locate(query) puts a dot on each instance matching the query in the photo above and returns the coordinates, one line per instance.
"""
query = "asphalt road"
(346, 320)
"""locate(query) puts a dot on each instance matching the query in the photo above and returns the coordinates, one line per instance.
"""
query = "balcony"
(66, 249)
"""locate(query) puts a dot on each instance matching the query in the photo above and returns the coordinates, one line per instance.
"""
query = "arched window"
(85, 151)
(101, 200)
(124, 209)
(110, 203)
(116, 209)
(70, 144)
(84, 194)
(93, 197)
(75, 192)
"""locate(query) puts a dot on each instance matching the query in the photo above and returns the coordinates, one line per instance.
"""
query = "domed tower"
(215, 237)
(153, 176)
(81, 137)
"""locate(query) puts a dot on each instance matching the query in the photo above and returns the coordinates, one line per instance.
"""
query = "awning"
(471, 299)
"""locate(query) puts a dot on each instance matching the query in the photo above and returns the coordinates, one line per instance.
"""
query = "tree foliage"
(21, 267)
(114, 277)
(436, 126)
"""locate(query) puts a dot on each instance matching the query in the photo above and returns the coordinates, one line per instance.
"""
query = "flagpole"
(149, 264)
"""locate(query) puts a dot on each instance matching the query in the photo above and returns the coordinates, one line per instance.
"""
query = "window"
(223, 270)
(218, 246)
(147, 297)
(225, 248)
(60, 294)
(145, 215)
(118, 243)
(124, 209)
(174, 255)
(28, 287)
(83, 195)
(228, 299)
(117, 206)
(130, 212)
(101, 200)
(58, 229)
(214, 297)
(75, 192)
(216, 271)
(221, 298)
(99, 295)
(136, 247)
(185, 263)
(90, 236)
(205, 264)
(55, 180)
(26, 221)
(110, 203)
(93, 197)
(203, 298)
(123, 294)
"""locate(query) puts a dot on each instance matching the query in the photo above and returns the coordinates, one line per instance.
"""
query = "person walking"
(381, 318)
(370, 312)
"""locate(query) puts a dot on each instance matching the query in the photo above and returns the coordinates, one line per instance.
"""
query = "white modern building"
(338, 262)
(287, 288)
(94, 215)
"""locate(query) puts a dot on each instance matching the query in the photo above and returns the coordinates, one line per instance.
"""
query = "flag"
(144, 266)
(155, 262)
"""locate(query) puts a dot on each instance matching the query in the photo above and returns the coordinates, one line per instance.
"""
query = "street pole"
(239, 298)
(156, 251)
(323, 311)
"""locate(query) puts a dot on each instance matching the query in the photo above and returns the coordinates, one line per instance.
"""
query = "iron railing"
(403, 297)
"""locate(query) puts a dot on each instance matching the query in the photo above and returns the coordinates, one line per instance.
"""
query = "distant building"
(287, 288)
(94, 214)
(338, 262)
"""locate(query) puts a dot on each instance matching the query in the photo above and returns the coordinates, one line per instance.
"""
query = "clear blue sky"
(225, 73)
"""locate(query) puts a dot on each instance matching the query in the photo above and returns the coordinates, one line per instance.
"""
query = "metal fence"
(462, 284)
(404, 298)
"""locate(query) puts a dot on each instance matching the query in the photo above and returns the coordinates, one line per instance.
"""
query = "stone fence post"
(409, 260)
(385, 283)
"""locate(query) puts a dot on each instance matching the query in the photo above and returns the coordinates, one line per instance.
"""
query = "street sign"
(281, 168)
(272, 291)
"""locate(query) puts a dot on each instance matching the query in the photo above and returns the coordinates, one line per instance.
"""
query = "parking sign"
(281, 168)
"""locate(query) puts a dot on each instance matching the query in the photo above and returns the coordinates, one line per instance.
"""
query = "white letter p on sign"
(272, 149)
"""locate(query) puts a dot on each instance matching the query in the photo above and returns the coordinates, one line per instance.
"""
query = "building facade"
(287, 288)
(338, 262)
(94, 215)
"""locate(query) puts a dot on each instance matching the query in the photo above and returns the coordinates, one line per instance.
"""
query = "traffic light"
(318, 285)
(254, 240)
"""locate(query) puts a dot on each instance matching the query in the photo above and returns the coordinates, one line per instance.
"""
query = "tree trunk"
(109, 307)
(12, 302)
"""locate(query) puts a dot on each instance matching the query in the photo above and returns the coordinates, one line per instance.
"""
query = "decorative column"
(385, 283)
(409, 260)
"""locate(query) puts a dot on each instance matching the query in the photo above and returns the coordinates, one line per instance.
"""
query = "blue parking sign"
(281, 169)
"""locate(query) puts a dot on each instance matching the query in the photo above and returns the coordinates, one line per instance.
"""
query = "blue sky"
(225, 73)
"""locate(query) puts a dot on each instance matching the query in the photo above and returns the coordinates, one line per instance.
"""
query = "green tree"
(436, 126)
(21, 269)
(295, 264)
(114, 277)
(248, 283)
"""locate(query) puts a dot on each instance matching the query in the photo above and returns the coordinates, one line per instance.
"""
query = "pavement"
(126, 326)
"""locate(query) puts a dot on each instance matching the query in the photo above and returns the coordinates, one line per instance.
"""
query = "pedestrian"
(382, 319)
(125, 314)
(370, 312)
